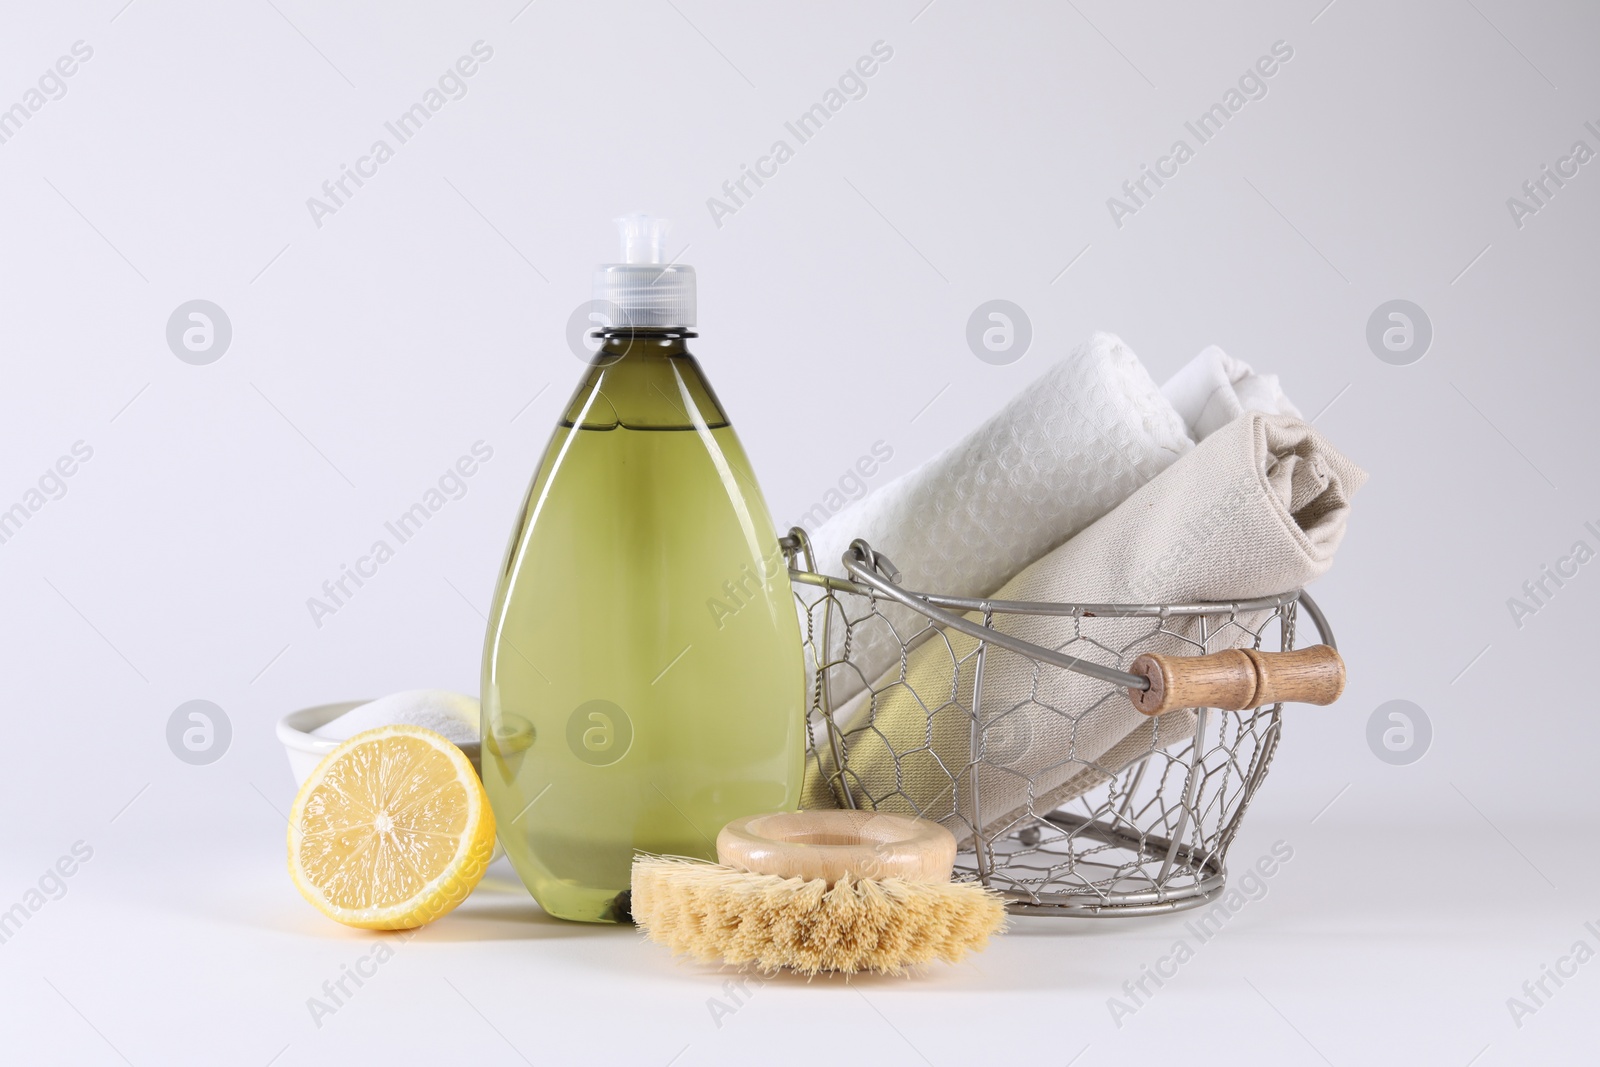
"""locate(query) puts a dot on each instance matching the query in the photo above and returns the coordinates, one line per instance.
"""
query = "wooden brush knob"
(1238, 679)
(832, 844)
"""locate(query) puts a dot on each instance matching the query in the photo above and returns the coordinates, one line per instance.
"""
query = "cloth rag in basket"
(1257, 508)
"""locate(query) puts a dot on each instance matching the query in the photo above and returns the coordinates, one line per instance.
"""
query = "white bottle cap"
(645, 289)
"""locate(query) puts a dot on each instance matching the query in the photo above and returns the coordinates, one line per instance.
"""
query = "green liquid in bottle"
(643, 675)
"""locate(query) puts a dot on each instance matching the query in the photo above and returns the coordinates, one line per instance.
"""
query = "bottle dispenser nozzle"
(645, 289)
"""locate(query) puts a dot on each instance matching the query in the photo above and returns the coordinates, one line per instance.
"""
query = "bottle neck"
(617, 342)
(644, 378)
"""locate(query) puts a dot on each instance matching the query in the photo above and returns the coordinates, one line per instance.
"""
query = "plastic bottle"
(643, 674)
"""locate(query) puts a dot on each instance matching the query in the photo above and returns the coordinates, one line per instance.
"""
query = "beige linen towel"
(1257, 508)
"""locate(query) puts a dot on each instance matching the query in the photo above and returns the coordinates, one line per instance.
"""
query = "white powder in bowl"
(452, 714)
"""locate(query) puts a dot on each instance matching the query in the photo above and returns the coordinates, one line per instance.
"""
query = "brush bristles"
(715, 913)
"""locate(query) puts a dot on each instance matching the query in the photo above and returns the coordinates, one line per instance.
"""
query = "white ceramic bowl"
(306, 750)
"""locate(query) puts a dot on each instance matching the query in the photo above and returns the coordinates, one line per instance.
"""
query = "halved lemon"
(392, 830)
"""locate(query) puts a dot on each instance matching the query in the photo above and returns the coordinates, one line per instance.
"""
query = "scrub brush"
(818, 891)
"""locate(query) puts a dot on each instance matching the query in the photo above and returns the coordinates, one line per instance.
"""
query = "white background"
(430, 312)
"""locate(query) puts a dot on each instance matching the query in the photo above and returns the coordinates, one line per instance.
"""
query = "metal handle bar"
(873, 572)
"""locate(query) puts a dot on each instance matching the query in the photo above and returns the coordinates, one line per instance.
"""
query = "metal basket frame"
(1172, 861)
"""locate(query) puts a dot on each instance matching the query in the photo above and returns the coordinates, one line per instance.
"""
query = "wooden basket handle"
(1238, 679)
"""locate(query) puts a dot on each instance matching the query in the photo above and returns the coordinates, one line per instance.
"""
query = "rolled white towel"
(1065, 451)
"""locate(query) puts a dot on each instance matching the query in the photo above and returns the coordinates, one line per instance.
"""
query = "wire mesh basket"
(1026, 751)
